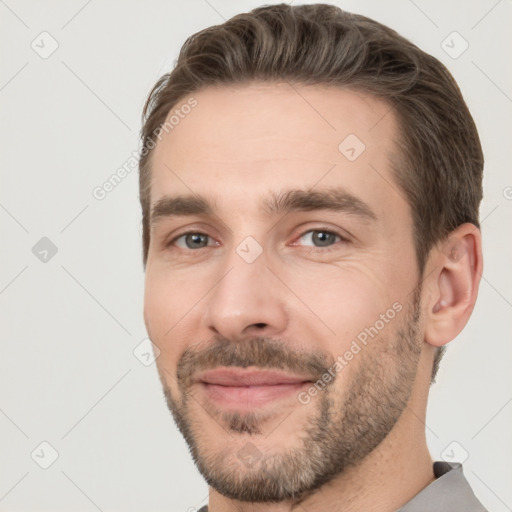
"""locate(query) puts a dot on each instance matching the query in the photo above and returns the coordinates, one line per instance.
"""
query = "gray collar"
(450, 492)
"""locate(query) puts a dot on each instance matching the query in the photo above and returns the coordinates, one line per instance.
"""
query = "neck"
(398, 469)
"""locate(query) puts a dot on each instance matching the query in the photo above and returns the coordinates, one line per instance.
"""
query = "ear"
(454, 275)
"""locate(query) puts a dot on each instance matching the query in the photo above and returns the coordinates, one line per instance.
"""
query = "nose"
(248, 300)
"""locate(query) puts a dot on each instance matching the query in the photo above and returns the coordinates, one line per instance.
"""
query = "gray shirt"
(449, 492)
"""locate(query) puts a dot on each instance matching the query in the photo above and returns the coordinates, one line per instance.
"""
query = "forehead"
(246, 138)
(269, 119)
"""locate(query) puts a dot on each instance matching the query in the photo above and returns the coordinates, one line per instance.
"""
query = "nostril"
(261, 325)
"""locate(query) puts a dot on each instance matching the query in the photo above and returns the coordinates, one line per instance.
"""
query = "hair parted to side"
(440, 165)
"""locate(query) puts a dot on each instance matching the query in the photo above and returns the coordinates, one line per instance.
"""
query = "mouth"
(247, 389)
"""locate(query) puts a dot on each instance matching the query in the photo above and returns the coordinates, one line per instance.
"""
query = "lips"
(232, 377)
(248, 389)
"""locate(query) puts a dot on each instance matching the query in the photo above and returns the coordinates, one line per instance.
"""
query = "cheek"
(165, 309)
(346, 299)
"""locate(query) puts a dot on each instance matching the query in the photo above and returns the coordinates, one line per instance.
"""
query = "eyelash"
(310, 248)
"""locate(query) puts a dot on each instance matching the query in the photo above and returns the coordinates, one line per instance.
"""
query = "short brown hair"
(440, 163)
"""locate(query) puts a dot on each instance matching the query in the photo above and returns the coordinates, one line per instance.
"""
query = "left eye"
(320, 238)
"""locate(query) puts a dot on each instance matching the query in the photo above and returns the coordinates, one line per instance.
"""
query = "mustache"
(261, 352)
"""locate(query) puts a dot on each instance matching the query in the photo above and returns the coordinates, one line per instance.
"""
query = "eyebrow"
(295, 200)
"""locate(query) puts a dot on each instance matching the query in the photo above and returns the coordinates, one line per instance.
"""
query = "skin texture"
(299, 306)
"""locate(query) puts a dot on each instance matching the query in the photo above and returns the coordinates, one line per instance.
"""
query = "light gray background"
(68, 374)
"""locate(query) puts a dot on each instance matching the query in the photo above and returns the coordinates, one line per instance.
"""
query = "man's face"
(287, 313)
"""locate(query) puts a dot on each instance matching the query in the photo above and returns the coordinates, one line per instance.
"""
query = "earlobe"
(453, 283)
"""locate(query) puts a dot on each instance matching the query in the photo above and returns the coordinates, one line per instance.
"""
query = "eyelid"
(195, 228)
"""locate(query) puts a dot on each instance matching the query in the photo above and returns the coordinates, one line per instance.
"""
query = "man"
(310, 184)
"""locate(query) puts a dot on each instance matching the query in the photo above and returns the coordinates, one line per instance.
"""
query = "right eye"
(191, 240)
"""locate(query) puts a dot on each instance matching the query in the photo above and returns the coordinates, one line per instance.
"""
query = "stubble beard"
(341, 432)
